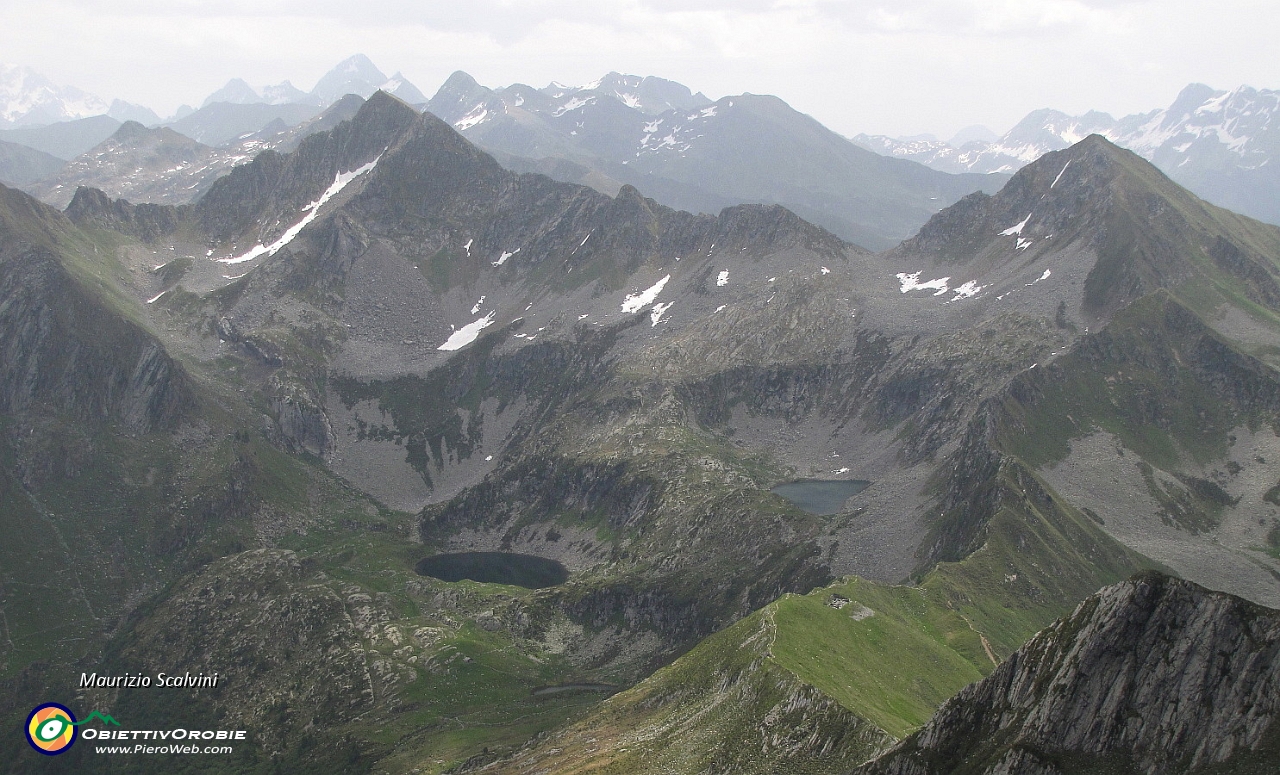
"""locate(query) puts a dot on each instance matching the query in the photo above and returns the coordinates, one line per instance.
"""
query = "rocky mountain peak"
(129, 130)
(458, 95)
(263, 198)
(1120, 219)
(1191, 97)
(650, 95)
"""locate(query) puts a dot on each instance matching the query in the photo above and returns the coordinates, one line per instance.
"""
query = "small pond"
(821, 496)
(521, 570)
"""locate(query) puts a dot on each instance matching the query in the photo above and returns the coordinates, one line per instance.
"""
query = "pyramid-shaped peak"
(1143, 229)
(359, 65)
(128, 131)
(456, 96)
(237, 92)
(381, 103)
(353, 75)
(1191, 97)
(460, 81)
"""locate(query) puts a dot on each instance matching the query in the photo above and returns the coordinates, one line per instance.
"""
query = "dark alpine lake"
(821, 496)
(521, 570)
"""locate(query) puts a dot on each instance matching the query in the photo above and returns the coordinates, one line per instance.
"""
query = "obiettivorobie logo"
(51, 728)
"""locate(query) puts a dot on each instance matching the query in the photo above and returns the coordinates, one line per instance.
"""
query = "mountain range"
(742, 149)
(353, 75)
(1219, 144)
(454, 467)
(695, 154)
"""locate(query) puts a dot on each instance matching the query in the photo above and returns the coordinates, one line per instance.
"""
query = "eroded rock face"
(289, 647)
(66, 350)
(1153, 675)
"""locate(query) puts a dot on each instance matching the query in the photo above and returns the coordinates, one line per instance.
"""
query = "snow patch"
(1044, 276)
(720, 308)
(573, 104)
(477, 115)
(340, 182)
(467, 247)
(476, 309)
(1055, 180)
(156, 298)
(911, 282)
(723, 278)
(467, 334)
(966, 291)
(637, 302)
(1013, 230)
(826, 270)
(1023, 244)
(658, 311)
(502, 259)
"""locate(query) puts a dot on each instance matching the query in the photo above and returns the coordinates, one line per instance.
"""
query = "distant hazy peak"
(353, 75)
(285, 93)
(237, 92)
(127, 111)
(400, 87)
(974, 133)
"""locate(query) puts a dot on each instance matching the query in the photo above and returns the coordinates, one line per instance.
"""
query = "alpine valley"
(449, 444)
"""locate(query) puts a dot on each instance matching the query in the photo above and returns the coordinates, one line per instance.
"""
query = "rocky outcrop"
(92, 208)
(1153, 675)
(259, 614)
(62, 347)
(259, 200)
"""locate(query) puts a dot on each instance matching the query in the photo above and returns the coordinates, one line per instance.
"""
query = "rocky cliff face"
(63, 349)
(1153, 675)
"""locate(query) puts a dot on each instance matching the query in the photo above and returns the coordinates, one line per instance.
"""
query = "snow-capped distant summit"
(398, 86)
(632, 100)
(1238, 122)
(646, 94)
(1219, 144)
(695, 154)
(28, 98)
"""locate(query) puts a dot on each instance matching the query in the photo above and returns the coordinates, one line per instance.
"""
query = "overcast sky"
(900, 68)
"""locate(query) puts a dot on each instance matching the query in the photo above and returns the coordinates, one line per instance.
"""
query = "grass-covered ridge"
(871, 661)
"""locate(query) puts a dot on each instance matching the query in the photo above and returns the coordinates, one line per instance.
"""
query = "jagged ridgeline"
(236, 428)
